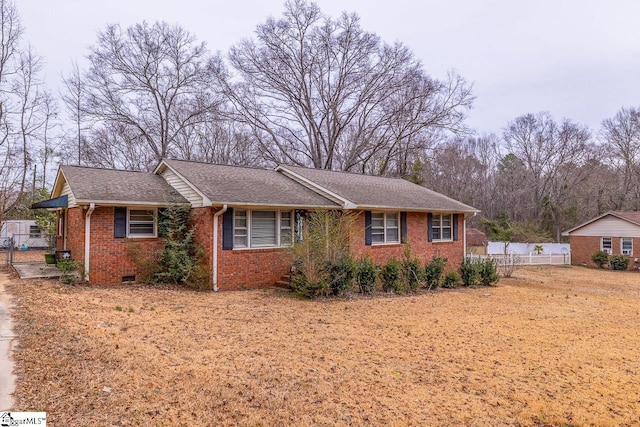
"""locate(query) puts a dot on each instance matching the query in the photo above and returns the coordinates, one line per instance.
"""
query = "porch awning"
(58, 202)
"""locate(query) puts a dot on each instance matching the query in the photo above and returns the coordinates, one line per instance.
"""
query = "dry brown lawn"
(551, 346)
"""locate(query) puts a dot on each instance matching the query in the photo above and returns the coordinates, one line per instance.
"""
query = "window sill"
(259, 249)
(442, 241)
(141, 237)
(385, 244)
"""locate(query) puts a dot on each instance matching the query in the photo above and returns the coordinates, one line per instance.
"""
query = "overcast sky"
(578, 59)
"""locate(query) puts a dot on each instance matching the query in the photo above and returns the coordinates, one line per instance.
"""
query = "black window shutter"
(367, 228)
(403, 227)
(227, 229)
(299, 224)
(430, 227)
(455, 227)
(120, 222)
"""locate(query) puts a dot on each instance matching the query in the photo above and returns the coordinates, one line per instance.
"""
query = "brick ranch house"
(615, 232)
(244, 217)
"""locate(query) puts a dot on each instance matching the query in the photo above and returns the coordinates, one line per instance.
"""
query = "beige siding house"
(615, 232)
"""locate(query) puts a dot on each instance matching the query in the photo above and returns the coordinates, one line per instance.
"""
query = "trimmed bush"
(451, 280)
(618, 262)
(413, 274)
(366, 274)
(391, 276)
(433, 271)
(600, 258)
(470, 272)
(341, 275)
(309, 288)
(489, 272)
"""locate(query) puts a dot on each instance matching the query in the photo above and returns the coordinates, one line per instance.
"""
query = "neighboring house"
(25, 234)
(477, 241)
(244, 217)
(616, 232)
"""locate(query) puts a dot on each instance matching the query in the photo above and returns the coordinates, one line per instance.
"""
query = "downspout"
(464, 236)
(215, 247)
(87, 239)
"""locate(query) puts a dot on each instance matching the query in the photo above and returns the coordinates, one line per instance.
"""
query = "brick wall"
(112, 258)
(75, 234)
(417, 237)
(250, 268)
(582, 247)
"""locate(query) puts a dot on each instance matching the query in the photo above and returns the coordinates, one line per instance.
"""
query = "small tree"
(324, 244)
(600, 258)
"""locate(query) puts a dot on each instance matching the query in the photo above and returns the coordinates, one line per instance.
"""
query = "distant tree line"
(307, 89)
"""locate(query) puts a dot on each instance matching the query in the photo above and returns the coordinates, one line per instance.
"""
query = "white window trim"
(35, 232)
(142, 236)
(385, 228)
(607, 250)
(433, 216)
(622, 246)
(278, 244)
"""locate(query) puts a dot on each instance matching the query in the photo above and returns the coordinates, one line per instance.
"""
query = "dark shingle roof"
(476, 237)
(380, 192)
(631, 216)
(110, 185)
(251, 186)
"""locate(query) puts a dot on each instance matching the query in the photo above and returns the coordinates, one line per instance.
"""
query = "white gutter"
(87, 239)
(215, 247)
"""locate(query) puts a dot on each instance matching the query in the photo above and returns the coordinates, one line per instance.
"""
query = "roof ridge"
(346, 172)
(103, 169)
(201, 162)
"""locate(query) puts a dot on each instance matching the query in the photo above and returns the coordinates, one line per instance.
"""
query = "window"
(605, 244)
(240, 229)
(34, 232)
(286, 228)
(385, 228)
(141, 223)
(262, 229)
(441, 227)
(626, 246)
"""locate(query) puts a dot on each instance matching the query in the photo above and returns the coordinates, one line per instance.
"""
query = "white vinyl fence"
(528, 259)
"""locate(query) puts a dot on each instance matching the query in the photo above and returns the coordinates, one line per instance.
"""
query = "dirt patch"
(20, 256)
(552, 346)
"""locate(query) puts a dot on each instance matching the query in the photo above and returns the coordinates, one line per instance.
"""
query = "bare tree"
(621, 137)
(324, 92)
(74, 98)
(155, 81)
(29, 107)
(552, 156)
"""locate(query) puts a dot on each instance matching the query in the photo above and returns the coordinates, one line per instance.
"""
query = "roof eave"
(274, 205)
(417, 209)
(83, 202)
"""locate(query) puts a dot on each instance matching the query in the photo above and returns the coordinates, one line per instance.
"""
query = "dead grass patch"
(551, 346)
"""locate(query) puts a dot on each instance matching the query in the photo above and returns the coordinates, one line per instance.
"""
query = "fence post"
(11, 248)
